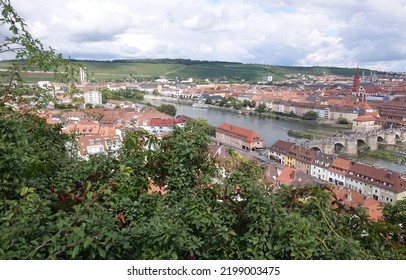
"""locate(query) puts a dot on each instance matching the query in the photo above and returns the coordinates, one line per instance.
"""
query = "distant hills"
(141, 69)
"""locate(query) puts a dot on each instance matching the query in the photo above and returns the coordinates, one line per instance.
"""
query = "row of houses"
(101, 131)
(276, 174)
(380, 184)
(325, 112)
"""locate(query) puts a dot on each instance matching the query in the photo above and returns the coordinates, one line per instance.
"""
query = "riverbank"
(270, 130)
(266, 115)
(383, 155)
(305, 135)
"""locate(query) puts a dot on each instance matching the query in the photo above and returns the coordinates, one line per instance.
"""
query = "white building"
(320, 166)
(338, 171)
(83, 75)
(93, 98)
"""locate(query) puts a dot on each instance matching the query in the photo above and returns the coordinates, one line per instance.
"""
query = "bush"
(342, 121)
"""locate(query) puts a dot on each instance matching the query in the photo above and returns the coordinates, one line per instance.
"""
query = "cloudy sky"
(370, 33)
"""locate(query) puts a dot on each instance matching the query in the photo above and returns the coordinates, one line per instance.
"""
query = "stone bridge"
(349, 144)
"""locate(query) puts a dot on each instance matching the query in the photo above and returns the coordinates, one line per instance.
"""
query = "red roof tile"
(239, 132)
(383, 178)
(161, 122)
(354, 199)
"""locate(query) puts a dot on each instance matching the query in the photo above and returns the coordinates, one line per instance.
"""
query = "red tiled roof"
(354, 199)
(83, 128)
(95, 140)
(387, 179)
(181, 119)
(287, 176)
(282, 146)
(302, 154)
(239, 132)
(365, 118)
(341, 164)
(161, 122)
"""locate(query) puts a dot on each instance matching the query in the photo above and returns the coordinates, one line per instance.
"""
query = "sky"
(344, 33)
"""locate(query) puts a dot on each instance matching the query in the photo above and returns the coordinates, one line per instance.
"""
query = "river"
(271, 130)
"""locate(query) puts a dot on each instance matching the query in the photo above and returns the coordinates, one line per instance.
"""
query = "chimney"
(349, 198)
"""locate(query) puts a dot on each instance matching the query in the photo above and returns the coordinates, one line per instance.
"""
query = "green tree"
(342, 120)
(310, 115)
(56, 206)
(246, 103)
(261, 108)
(168, 109)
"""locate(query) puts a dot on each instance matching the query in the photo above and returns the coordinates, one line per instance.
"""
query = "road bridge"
(350, 144)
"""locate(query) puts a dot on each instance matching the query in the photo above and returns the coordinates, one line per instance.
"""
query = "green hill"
(142, 69)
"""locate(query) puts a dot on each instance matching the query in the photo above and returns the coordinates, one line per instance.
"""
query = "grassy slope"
(103, 70)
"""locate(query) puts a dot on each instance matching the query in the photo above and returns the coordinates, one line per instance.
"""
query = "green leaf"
(87, 242)
(102, 252)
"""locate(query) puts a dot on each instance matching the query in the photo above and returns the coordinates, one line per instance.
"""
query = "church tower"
(356, 84)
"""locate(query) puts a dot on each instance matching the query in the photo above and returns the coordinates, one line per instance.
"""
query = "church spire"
(356, 84)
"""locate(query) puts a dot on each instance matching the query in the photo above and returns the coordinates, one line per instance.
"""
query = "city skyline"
(334, 33)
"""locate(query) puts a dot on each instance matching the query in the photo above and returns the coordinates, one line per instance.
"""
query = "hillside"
(185, 68)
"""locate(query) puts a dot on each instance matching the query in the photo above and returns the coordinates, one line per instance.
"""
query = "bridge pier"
(372, 143)
(403, 135)
(390, 139)
(351, 146)
(328, 148)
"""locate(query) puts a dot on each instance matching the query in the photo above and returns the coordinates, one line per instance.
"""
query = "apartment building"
(239, 137)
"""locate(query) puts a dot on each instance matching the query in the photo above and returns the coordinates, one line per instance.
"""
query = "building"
(279, 150)
(364, 123)
(93, 97)
(301, 158)
(380, 184)
(239, 137)
(159, 125)
(356, 83)
(338, 171)
(83, 75)
(320, 166)
(293, 177)
(353, 199)
(393, 113)
(97, 144)
(181, 121)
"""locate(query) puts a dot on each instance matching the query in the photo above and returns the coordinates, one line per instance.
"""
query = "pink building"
(239, 137)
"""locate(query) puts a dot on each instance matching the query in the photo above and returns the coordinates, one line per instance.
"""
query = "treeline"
(316, 70)
(181, 61)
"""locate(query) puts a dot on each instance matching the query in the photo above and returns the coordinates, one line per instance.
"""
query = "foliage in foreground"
(55, 206)
(58, 207)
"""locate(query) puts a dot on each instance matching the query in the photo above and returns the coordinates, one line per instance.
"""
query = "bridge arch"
(398, 136)
(316, 149)
(380, 139)
(339, 147)
(361, 144)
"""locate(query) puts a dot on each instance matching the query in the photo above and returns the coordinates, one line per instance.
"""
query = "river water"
(270, 130)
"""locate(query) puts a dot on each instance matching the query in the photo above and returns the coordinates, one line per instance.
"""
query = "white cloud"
(316, 32)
